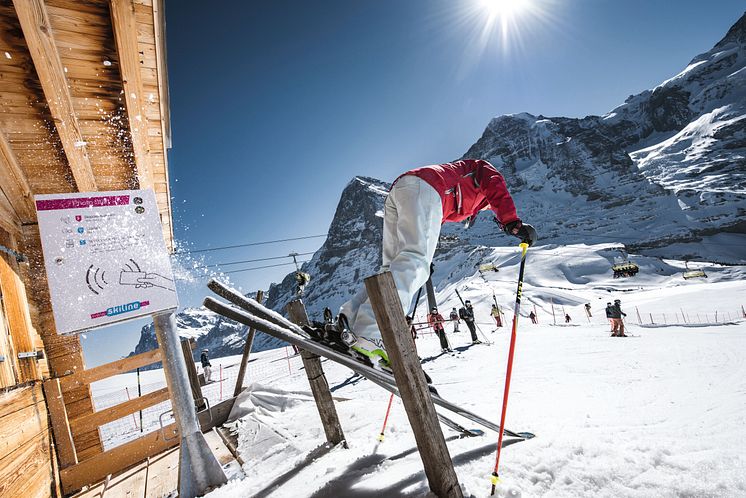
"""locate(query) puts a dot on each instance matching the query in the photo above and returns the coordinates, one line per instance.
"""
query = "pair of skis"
(249, 312)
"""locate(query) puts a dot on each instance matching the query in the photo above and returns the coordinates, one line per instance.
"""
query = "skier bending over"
(419, 202)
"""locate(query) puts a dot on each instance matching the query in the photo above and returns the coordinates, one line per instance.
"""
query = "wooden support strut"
(317, 379)
(125, 34)
(410, 379)
(186, 348)
(246, 352)
(37, 30)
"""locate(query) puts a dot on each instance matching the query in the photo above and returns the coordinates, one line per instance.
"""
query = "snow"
(660, 413)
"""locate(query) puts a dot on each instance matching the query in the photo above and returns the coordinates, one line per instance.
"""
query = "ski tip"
(475, 432)
(526, 435)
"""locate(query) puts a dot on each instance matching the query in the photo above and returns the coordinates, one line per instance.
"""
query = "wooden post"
(246, 352)
(317, 379)
(60, 425)
(410, 380)
(186, 348)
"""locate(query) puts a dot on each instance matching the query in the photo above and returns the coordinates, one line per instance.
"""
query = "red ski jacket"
(435, 320)
(467, 187)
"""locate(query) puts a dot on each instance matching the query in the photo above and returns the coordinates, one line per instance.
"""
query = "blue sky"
(275, 106)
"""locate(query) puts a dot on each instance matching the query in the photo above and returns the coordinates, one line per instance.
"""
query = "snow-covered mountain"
(668, 164)
(664, 174)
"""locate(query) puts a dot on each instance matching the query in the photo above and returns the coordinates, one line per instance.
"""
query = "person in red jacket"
(436, 320)
(419, 202)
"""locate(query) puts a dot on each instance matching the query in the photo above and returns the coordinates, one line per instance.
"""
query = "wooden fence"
(74, 473)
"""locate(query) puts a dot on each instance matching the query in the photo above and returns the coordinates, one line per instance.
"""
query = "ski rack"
(418, 398)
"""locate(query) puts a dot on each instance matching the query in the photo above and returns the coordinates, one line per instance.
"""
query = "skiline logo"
(122, 308)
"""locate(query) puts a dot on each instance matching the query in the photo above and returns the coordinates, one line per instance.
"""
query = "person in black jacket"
(615, 314)
(206, 365)
(467, 315)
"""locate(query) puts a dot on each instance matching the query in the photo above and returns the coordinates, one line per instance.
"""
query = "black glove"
(523, 231)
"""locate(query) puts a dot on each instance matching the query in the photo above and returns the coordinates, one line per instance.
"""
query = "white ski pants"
(412, 216)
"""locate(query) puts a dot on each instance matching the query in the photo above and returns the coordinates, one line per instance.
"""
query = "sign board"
(105, 257)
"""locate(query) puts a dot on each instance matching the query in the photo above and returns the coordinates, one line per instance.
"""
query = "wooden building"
(83, 107)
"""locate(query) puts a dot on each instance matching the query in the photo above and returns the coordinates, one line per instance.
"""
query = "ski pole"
(495, 478)
(386, 418)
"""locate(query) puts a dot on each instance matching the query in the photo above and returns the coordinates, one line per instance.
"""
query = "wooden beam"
(125, 34)
(116, 459)
(14, 184)
(410, 379)
(60, 426)
(37, 30)
(317, 379)
(186, 349)
(85, 377)
(246, 352)
(91, 421)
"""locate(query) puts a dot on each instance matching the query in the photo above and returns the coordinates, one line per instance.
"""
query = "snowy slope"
(657, 414)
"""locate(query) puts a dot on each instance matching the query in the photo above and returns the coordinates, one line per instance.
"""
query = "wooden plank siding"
(64, 353)
(26, 455)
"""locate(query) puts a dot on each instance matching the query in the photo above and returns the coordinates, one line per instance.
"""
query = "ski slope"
(661, 413)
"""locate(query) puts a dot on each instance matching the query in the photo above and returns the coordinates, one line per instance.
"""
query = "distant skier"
(496, 315)
(412, 329)
(588, 310)
(466, 313)
(532, 316)
(206, 365)
(419, 202)
(436, 320)
(567, 318)
(609, 312)
(455, 319)
(617, 324)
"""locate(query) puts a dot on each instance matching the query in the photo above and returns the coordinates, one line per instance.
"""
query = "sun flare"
(505, 8)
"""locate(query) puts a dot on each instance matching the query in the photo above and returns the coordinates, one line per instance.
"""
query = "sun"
(505, 9)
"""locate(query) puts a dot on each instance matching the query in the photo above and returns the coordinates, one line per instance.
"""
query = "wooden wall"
(27, 460)
(64, 353)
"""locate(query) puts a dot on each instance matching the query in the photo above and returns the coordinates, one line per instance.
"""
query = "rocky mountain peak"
(736, 34)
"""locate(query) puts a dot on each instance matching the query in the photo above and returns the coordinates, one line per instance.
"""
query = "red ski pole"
(386, 419)
(495, 478)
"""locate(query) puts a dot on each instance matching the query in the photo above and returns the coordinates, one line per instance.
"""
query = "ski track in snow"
(661, 414)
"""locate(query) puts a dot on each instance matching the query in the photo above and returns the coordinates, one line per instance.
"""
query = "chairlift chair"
(696, 273)
(624, 268)
(485, 267)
